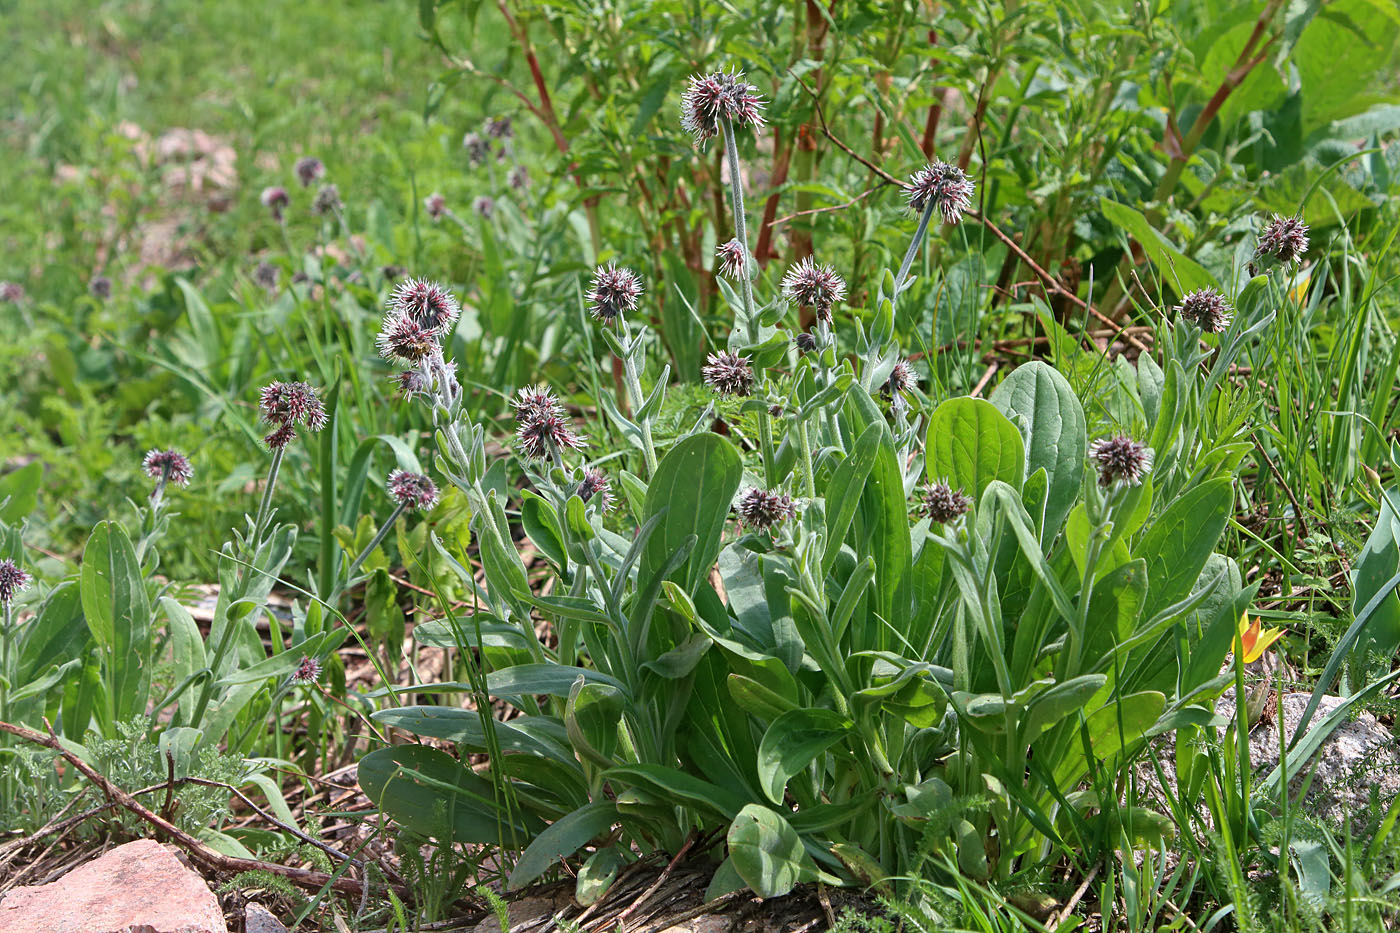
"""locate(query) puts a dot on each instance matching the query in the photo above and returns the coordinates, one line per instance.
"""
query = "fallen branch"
(215, 861)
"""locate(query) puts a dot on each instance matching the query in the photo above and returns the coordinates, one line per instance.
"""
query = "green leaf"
(1378, 561)
(842, 491)
(767, 853)
(970, 444)
(1182, 272)
(119, 616)
(21, 488)
(693, 486)
(1177, 544)
(542, 525)
(1040, 402)
(678, 786)
(792, 741)
(597, 875)
(563, 838)
(434, 795)
(548, 679)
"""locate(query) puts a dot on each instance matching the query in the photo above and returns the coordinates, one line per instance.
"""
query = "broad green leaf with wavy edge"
(792, 741)
(970, 444)
(693, 488)
(766, 852)
(119, 616)
(1043, 406)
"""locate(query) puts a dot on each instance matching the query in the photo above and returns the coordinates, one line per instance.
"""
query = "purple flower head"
(498, 128)
(307, 672)
(170, 465)
(265, 275)
(100, 287)
(1207, 309)
(728, 373)
(427, 303)
(733, 259)
(403, 340)
(292, 403)
(309, 169)
(11, 292)
(410, 382)
(613, 292)
(761, 509)
(1120, 458)
(275, 199)
(327, 201)
(280, 437)
(13, 579)
(519, 178)
(541, 424)
(1284, 240)
(707, 98)
(595, 484)
(412, 490)
(805, 342)
(945, 186)
(942, 503)
(901, 382)
(436, 205)
(809, 285)
(484, 206)
(477, 148)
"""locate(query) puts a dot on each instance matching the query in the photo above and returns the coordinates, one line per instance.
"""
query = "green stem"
(912, 251)
(736, 198)
(765, 440)
(635, 398)
(805, 448)
(374, 542)
(265, 506)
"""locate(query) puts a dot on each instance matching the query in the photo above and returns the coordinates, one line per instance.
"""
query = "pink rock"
(140, 887)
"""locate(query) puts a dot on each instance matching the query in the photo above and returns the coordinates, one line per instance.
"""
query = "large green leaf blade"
(1041, 403)
(694, 486)
(970, 444)
(792, 741)
(118, 615)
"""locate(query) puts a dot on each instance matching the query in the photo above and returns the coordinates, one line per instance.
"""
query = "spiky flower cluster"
(265, 275)
(327, 201)
(13, 580)
(1207, 309)
(942, 503)
(484, 206)
(809, 285)
(412, 490)
(1284, 240)
(945, 186)
(286, 405)
(901, 382)
(1120, 459)
(519, 178)
(709, 97)
(499, 128)
(429, 304)
(309, 170)
(733, 259)
(169, 465)
(478, 148)
(275, 199)
(541, 427)
(595, 485)
(436, 205)
(308, 671)
(11, 292)
(403, 340)
(762, 509)
(100, 287)
(805, 342)
(613, 292)
(728, 373)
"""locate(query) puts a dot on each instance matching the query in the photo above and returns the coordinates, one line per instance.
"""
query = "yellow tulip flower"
(1255, 640)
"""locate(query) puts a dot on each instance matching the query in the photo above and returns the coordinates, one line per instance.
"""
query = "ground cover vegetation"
(858, 446)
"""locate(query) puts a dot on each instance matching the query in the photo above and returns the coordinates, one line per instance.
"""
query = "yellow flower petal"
(1254, 639)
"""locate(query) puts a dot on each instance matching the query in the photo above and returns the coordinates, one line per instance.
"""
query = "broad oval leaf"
(792, 741)
(1040, 402)
(970, 444)
(563, 838)
(694, 486)
(766, 852)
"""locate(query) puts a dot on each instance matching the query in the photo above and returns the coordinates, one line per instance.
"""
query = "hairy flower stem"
(159, 492)
(374, 542)
(804, 444)
(265, 506)
(636, 398)
(913, 250)
(736, 197)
